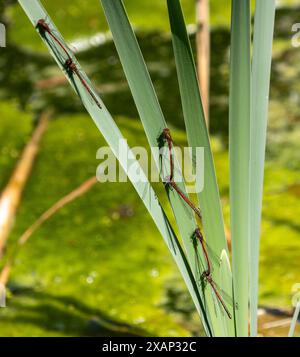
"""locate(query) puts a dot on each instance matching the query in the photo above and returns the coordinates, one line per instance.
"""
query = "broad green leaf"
(261, 68)
(113, 136)
(197, 134)
(153, 121)
(239, 152)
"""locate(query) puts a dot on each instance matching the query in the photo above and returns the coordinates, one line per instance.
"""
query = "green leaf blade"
(261, 68)
(153, 121)
(239, 150)
(209, 199)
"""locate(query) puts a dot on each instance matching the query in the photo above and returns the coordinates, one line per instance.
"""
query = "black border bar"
(132, 346)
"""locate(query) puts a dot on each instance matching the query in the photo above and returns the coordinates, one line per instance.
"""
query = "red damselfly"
(71, 67)
(69, 64)
(207, 274)
(184, 197)
(199, 236)
(207, 277)
(166, 134)
(44, 27)
(214, 259)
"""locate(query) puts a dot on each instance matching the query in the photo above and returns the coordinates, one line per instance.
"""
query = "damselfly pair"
(69, 64)
(206, 275)
(169, 181)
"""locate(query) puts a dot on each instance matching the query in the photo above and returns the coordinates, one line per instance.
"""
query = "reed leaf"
(113, 136)
(154, 122)
(261, 68)
(226, 284)
(197, 133)
(294, 320)
(239, 151)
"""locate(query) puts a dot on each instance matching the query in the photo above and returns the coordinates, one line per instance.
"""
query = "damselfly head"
(163, 136)
(167, 134)
(206, 275)
(70, 65)
(198, 234)
(42, 25)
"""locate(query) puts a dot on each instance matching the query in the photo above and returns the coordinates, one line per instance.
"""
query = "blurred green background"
(99, 266)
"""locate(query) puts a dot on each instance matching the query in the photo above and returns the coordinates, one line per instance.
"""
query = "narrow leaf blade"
(239, 151)
(153, 121)
(197, 134)
(261, 68)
